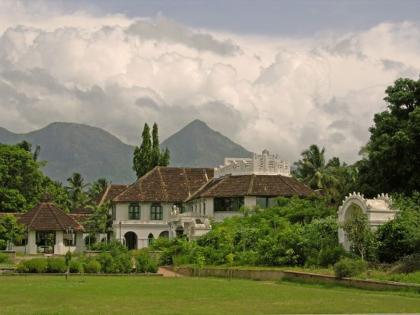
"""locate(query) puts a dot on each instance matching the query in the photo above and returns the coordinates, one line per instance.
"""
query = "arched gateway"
(130, 240)
(379, 210)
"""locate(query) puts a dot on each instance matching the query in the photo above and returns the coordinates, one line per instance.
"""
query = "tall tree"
(10, 231)
(96, 188)
(155, 145)
(20, 179)
(316, 173)
(149, 155)
(76, 191)
(392, 162)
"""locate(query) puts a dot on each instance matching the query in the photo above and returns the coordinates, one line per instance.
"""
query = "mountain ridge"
(95, 152)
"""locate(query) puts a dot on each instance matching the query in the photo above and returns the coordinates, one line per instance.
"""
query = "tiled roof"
(166, 184)
(47, 217)
(110, 193)
(253, 185)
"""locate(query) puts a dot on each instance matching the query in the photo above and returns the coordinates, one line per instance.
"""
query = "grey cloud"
(337, 137)
(163, 29)
(335, 107)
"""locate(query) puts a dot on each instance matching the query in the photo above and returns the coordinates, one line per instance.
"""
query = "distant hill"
(69, 147)
(95, 153)
(198, 145)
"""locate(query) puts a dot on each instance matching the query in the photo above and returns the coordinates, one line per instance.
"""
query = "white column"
(31, 246)
(59, 243)
(80, 243)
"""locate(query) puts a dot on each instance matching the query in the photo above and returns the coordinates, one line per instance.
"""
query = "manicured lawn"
(156, 295)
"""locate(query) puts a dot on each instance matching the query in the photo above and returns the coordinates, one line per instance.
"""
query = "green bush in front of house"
(348, 267)
(35, 265)
(145, 262)
(76, 266)
(4, 258)
(56, 265)
(92, 266)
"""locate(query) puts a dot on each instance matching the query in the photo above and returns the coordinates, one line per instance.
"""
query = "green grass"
(156, 295)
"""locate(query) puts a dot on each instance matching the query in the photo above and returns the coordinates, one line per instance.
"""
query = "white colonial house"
(171, 201)
(378, 210)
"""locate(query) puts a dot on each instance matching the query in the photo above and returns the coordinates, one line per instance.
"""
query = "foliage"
(145, 262)
(56, 265)
(76, 266)
(100, 219)
(401, 236)
(76, 191)
(149, 155)
(4, 258)
(348, 267)
(97, 188)
(295, 232)
(20, 179)
(35, 265)
(407, 264)
(92, 266)
(359, 234)
(392, 161)
(332, 178)
(10, 230)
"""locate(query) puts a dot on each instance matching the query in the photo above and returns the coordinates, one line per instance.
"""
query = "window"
(156, 212)
(266, 202)
(204, 207)
(134, 211)
(228, 204)
(150, 239)
(69, 239)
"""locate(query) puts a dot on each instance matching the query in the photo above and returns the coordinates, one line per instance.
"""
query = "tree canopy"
(148, 154)
(392, 162)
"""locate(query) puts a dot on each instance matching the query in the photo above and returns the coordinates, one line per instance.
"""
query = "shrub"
(122, 264)
(35, 265)
(56, 265)
(410, 263)
(3, 244)
(348, 267)
(4, 258)
(92, 266)
(106, 261)
(329, 256)
(76, 266)
(144, 262)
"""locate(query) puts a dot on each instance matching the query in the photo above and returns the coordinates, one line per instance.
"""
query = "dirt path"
(167, 272)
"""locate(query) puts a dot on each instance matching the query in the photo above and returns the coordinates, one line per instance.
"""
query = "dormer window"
(134, 211)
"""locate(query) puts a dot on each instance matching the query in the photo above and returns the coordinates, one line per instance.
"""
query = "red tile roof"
(166, 184)
(111, 192)
(47, 217)
(253, 185)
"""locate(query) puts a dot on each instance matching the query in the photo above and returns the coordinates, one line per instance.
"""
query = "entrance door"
(130, 240)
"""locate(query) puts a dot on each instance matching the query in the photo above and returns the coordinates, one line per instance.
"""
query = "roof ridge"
(104, 194)
(294, 189)
(35, 215)
(51, 209)
(251, 184)
(162, 183)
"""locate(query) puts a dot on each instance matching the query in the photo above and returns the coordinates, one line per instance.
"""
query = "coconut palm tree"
(76, 190)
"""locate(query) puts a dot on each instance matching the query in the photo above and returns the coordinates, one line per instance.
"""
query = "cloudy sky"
(269, 74)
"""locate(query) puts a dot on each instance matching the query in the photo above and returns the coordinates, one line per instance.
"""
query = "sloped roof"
(166, 184)
(110, 193)
(253, 185)
(47, 217)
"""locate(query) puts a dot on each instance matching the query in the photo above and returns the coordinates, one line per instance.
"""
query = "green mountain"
(198, 145)
(95, 153)
(69, 147)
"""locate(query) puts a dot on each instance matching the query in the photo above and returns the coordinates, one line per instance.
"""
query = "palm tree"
(76, 190)
(313, 171)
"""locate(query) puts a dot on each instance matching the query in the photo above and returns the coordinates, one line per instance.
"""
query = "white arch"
(378, 210)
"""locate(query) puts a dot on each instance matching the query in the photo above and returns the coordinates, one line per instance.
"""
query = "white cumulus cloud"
(278, 93)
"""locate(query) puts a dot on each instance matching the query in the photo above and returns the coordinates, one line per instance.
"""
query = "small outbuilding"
(50, 230)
